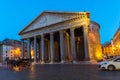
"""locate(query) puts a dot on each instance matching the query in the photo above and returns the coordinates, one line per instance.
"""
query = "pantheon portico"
(61, 37)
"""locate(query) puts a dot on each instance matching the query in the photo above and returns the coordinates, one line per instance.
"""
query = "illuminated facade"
(10, 49)
(95, 48)
(113, 47)
(116, 43)
(62, 37)
(107, 49)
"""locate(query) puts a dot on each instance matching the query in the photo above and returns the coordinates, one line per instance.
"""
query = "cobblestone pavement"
(59, 72)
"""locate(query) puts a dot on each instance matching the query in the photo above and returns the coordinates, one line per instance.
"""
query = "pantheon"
(59, 37)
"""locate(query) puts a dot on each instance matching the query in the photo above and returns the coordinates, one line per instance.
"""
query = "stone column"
(85, 34)
(35, 49)
(52, 47)
(73, 45)
(23, 49)
(29, 49)
(42, 49)
(61, 47)
(39, 51)
(68, 47)
(48, 51)
(64, 47)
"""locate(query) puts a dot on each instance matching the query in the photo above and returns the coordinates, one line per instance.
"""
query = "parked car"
(111, 64)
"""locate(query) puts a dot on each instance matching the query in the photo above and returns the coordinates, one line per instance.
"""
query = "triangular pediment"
(48, 18)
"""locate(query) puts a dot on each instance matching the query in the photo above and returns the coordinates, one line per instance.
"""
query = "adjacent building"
(107, 49)
(62, 37)
(112, 48)
(116, 43)
(1, 53)
(10, 48)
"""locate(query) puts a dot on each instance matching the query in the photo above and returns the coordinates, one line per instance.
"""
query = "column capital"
(72, 29)
(42, 35)
(35, 36)
(85, 28)
(51, 33)
(28, 39)
(61, 31)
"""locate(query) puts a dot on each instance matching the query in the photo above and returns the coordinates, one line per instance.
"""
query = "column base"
(62, 61)
(51, 62)
(42, 62)
(35, 62)
(74, 62)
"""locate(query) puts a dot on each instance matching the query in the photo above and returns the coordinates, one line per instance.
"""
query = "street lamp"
(17, 52)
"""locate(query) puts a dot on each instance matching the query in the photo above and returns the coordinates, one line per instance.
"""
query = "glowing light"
(98, 56)
(16, 68)
(98, 53)
(32, 53)
(17, 52)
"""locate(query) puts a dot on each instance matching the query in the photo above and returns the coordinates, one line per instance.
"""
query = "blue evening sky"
(16, 14)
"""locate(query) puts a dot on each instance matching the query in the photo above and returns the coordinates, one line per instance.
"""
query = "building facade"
(116, 43)
(112, 48)
(107, 50)
(1, 58)
(95, 48)
(62, 37)
(10, 48)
